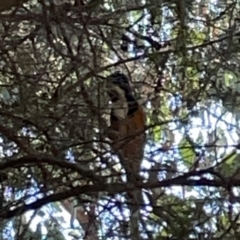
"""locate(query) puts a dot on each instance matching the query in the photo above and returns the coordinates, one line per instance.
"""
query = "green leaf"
(157, 133)
(230, 164)
(197, 37)
(231, 80)
(186, 151)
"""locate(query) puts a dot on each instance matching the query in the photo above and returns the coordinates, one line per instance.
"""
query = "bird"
(127, 120)
(127, 125)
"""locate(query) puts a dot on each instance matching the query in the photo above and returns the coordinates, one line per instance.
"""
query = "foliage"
(56, 160)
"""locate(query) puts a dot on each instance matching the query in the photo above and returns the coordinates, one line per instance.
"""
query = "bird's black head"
(119, 79)
(118, 83)
(120, 91)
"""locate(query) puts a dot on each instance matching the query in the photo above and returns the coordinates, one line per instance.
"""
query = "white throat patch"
(120, 107)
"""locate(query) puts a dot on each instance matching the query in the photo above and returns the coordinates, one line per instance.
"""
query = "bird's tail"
(134, 203)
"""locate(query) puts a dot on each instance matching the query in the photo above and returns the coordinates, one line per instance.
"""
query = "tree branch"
(38, 159)
(8, 4)
(112, 189)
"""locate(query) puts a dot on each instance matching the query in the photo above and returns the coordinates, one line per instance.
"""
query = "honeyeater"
(128, 137)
